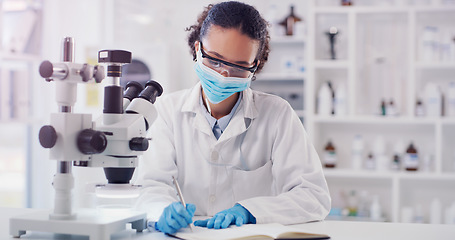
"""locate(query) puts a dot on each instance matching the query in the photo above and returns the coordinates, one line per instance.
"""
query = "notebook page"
(273, 230)
(233, 232)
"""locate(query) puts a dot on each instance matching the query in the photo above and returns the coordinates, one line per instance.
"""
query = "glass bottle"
(289, 22)
(330, 158)
(411, 161)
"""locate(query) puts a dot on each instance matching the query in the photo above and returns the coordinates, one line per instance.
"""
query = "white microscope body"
(114, 142)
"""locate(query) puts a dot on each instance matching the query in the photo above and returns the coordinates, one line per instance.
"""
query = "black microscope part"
(46, 69)
(47, 136)
(132, 90)
(118, 175)
(113, 99)
(114, 56)
(139, 144)
(152, 90)
(114, 71)
(90, 141)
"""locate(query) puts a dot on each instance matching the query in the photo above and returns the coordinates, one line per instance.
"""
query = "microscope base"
(98, 224)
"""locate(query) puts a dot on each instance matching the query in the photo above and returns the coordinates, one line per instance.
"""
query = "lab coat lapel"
(242, 119)
(192, 106)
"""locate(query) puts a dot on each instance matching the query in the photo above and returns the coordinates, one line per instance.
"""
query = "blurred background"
(373, 82)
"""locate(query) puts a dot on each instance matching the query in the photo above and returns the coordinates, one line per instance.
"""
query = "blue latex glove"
(174, 217)
(237, 215)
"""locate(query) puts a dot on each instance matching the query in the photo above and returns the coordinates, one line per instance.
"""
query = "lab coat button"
(214, 156)
(212, 198)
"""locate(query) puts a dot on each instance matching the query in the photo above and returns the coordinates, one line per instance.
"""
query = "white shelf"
(387, 175)
(433, 9)
(338, 63)
(360, 9)
(376, 120)
(381, 9)
(435, 65)
(19, 57)
(361, 174)
(280, 76)
(287, 40)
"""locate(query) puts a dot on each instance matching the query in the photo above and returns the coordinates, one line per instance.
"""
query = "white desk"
(338, 230)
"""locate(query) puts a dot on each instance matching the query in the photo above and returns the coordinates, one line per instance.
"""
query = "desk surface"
(338, 230)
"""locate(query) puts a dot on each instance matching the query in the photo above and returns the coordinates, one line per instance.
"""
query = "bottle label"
(411, 160)
(330, 157)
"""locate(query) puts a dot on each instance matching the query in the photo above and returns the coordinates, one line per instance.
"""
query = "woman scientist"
(239, 155)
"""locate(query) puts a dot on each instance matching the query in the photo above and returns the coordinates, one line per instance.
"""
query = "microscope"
(114, 142)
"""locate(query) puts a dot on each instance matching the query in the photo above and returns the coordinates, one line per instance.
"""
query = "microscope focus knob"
(47, 136)
(90, 141)
(139, 144)
(99, 73)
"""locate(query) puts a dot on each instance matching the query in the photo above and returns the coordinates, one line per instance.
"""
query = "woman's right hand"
(174, 217)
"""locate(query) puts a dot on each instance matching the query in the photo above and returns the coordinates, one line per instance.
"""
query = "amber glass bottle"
(289, 22)
(411, 161)
(330, 157)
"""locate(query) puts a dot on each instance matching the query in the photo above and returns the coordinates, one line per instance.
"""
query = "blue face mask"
(216, 86)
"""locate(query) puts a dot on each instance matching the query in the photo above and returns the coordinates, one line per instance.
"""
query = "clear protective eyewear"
(234, 70)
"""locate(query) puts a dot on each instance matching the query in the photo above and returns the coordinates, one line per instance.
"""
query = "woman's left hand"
(237, 215)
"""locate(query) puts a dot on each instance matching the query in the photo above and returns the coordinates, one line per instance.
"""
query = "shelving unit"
(359, 53)
(19, 59)
(283, 74)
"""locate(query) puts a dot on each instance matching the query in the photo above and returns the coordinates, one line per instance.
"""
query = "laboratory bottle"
(352, 203)
(324, 101)
(332, 92)
(411, 159)
(397, 156)
(357, 152)
(396, 162)
(370, 162)
(289, 22)
(435, 211)
(339, 102)
(420, 110)
(427, 45)
(433, 100)
(375, 209)
(363, 209)
(451, 100)
(391, 109)
(428, 163)
(330, 158)
(272, 18)
(450, 214)
(382, 162)
(383, 107)
(418, 214)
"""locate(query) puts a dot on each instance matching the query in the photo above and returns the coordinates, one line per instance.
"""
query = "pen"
(179, 193)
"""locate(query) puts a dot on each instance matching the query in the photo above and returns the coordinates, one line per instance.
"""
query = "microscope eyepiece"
(152, 90)
(132, 90)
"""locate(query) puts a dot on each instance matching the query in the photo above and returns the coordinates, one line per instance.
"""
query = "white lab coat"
(263, 160)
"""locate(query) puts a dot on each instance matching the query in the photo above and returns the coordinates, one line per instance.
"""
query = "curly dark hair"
(236, 15)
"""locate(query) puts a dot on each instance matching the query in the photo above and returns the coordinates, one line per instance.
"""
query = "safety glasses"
(233, 69)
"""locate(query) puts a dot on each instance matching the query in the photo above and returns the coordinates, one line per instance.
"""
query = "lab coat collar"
(248, 105)
(240, 121)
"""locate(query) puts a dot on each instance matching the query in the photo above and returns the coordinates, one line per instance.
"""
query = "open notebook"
(248, 231)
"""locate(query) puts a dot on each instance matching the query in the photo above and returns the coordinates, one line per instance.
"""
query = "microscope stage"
(95, 223)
